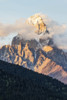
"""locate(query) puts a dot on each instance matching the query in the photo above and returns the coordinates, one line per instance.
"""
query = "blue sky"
(11, 10)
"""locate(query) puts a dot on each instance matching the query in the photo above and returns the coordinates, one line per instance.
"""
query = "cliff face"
(33, 59)
(46, 66)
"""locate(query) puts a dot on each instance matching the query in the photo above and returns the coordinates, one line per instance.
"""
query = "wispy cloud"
(7, 40)
(19, 26)
(57, 32)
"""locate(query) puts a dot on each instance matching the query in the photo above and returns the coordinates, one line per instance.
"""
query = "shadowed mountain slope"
(17, 83)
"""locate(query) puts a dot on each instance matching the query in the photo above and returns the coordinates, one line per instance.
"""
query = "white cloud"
(7, 40)
(57, 32)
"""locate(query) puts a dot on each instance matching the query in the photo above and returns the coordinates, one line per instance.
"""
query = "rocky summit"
(37, 21)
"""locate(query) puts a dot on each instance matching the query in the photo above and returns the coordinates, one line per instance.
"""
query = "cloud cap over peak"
(57, 32)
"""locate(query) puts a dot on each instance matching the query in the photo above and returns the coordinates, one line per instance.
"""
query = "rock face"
(37, 21)
(34, 59)
(46, 66)
(47, 48)
(41, 56)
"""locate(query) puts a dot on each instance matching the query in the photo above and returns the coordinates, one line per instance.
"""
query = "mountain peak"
(37, 21)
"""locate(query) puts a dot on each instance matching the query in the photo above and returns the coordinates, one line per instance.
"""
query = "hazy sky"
(10, 10)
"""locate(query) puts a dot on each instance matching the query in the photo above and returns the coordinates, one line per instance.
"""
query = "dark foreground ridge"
(18, 83)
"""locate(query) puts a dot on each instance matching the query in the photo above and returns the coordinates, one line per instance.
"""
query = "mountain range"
(39, 54)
